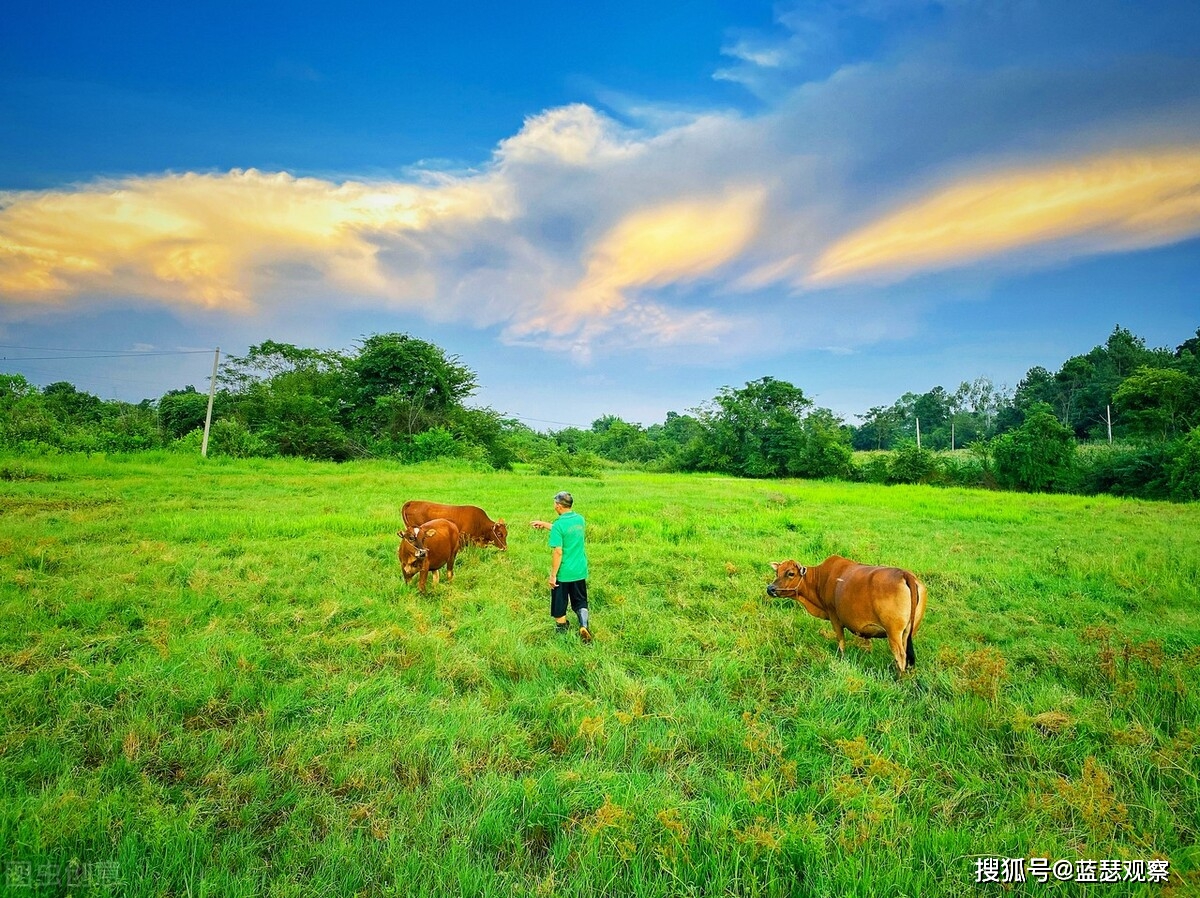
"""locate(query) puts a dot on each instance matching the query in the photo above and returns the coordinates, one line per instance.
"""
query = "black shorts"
(574, 592)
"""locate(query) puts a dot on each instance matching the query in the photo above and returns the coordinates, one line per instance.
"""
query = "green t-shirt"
(567, 532)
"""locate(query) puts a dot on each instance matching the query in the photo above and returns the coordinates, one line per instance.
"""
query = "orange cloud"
(1113, 202)
(679, 241)
(212, 240)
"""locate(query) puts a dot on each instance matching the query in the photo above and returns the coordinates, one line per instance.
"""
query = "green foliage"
(554, 460)
(1159, 402)
(911, 463)
(1183, 468)
(232, 438)
(437, 442)
(1124, 469)
(182, 411)
(822, 448)
(415, 370)
(282, 399)
(1037, 455)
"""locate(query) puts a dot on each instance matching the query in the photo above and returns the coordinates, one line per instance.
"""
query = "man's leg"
(580, 603)
(558, 607)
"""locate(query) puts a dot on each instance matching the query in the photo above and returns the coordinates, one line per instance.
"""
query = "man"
(568, 565)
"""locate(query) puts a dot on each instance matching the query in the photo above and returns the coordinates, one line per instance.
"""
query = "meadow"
(214, 681)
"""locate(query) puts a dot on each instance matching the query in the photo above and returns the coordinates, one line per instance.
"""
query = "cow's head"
(788, 577)
(500, 535)
(410, 553)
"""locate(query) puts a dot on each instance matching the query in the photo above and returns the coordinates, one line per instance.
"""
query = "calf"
(473, 523)
(428, 548)
(869, 601)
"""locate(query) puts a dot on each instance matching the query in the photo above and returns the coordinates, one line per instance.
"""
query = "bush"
(1036, 456)
(962, 470)
(437, 442)
(1183, 467)
(555, 460)
(1136, 471)
(911, 464)
(231, 437)
(874, 469)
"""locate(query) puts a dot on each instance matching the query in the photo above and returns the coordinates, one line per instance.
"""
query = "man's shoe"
(561, 629)
(585, 634)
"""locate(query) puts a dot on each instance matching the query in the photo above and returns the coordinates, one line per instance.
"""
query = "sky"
(601, 208)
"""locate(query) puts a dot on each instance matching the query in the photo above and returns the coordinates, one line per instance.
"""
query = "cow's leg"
(897, 640)
(450, 569)
(840, 633)
(435, 576)
(424, 576)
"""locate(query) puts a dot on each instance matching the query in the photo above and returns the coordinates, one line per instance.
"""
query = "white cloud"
(691, 229)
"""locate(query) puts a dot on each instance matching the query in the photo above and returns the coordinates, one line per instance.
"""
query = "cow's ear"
(429, 533)
(803, 570)
(775, 565)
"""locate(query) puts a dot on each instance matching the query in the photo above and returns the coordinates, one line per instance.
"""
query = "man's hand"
(539, 525)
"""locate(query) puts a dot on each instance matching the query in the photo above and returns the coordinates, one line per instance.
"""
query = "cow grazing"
(430, 547)
(473, 523)
(869, 601)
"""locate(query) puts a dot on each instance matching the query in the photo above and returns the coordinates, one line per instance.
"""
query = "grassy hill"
(213, 681)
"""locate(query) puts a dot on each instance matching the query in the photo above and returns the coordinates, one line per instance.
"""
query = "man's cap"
(564, 499)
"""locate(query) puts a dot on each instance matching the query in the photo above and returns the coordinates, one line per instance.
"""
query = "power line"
(113, 351)
(111, 355)
(544, 421)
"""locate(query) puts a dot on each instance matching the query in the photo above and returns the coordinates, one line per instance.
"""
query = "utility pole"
(212, 390)
(1108, 420)
(918, 433)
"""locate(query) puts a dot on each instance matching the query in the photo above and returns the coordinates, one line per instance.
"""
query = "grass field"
(213, 681)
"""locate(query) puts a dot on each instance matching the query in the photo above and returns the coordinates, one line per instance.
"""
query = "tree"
(413, 370)
(879, 428)
(824, 447)
(752, 431)
(621, 441)
(1037, 454)
(293, 398)
(1184, 468)
(1158, 402)
(676, 440)
(1187, 355)
(182, 411)
(1072, 380)
(72, 406)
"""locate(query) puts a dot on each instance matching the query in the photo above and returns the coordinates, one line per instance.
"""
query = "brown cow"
(427, 548)
(869, 601)
(473, 523)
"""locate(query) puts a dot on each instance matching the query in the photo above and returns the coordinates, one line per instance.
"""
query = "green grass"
(213, 678)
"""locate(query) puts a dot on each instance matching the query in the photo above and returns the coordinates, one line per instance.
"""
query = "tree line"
(395, 396)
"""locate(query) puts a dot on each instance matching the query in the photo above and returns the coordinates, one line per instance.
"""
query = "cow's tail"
(914, 589)
(404, 516)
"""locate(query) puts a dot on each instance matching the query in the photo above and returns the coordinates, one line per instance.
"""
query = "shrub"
(555, 460)
(962, 470)
(230, 436)
(1183, 467)
(1036, 456)
(437, 442)
(1137, 471)
(911, 464)
(874, 469)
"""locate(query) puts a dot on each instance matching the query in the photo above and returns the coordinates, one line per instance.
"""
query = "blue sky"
(601, 208)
